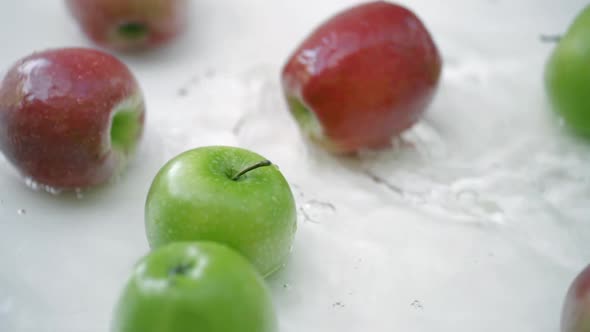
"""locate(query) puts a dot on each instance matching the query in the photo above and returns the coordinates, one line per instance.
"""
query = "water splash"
(317, 211)
(29, 182)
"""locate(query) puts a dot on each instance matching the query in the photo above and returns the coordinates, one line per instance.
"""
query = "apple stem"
(251, 168)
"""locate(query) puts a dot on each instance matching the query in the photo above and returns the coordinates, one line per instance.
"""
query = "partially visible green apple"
(198, 286)
(567, 74)
(228, 195)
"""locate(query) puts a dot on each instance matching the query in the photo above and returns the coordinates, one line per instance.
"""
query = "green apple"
(228, 195)
(567, 74)
(195, 286)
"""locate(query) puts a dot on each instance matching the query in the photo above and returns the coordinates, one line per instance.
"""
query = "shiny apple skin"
(56, 109)
(367, 74)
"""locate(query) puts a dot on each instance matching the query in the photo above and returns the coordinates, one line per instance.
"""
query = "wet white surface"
(477, 221)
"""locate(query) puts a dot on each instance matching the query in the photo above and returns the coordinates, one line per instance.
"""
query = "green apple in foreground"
(228, 195)
(195, 286)
(567, 75)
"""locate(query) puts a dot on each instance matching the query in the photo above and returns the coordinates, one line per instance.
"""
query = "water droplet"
(34, 185)
(21, 211)
(297, 190)
(315, 211)
(286, 286)
(29, 182)
(52, 190)
(338, 304)
(417, 304)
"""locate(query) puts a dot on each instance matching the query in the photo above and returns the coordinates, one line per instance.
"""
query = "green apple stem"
(251, 168)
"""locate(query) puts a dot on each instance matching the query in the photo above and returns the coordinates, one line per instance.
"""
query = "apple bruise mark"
(251, 168)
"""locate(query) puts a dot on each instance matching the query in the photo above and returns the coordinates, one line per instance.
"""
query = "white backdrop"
(479, 224)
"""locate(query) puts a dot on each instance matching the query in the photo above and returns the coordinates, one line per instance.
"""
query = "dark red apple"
(70, 118)
(130, 24)
(576, 310)
(362, 77)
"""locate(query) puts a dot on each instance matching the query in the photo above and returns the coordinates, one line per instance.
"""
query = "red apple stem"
(251, 168)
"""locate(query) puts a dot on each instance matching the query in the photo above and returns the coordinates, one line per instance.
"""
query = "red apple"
(362, 77)
(130, 24)
(576, 310)
(69, 118)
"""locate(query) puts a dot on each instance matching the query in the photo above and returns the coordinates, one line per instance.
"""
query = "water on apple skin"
(5, 166)
(36, 186)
